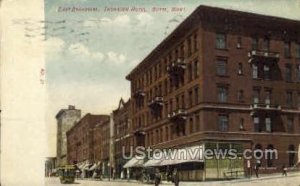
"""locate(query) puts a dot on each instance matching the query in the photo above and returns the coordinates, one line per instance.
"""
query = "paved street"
(293, 179)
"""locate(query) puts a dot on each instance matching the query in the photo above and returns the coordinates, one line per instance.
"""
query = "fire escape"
(266, 115)
(178, 118)
(176, 71)
(156, 105)
(266, 63)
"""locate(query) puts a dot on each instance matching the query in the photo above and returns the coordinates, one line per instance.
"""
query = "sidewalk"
(252, 179)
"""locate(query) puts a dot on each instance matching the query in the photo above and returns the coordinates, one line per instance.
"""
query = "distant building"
(82, 146)
(50, 166)
(122, 137)
(66, 119)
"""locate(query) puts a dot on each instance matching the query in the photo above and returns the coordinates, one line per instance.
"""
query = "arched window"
(270, 154)
(292, 155)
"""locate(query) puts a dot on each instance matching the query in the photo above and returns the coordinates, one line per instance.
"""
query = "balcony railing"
(139, 94)
(177, 67)
(258, 54)
(255, 107)
(157, 101)
(179, 114)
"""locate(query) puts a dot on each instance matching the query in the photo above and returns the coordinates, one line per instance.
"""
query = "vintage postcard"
(139, 92)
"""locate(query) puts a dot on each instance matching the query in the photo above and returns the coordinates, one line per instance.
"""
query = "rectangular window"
(268, 97)
(159, 70)
(298, 101)
(166, 86)
(266, 44)
(288, 72)
(256, 96)
(190, 98)
(242, 127)
(287, 49)
(267, 75)
(176, 54)
(289, 99)
(298, 73)
(167, 133)
(221, 67)
(189, 46)
(256, 124)
(240, 69)
(181, 50)
(177, 102)
(240, 95)
(190, 72)
(196, 95)
(191, 125)
(196, 69)
(182, 101)
(239, 42)
(268, 124)
(195, 42)
(297, 50)
(254, 43)
(220, 41)
(290, 125)
(222, 94)
(223, 123)
(254, 71)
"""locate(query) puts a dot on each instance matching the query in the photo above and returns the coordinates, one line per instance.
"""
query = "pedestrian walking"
(175, 177)
(284, 169)
(256, 168)
(157, 177)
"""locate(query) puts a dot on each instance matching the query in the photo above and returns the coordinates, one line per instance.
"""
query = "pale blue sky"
(89, 54)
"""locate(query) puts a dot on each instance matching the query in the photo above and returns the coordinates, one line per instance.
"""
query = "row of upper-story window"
(156, 71)
(184, 99)
(261, 124)
(289, 46)
(267, 71)
(122, 127)
(170, 131)
(223, 94)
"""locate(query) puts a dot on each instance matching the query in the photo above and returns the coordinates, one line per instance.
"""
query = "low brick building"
(222, 79)
(80, 139)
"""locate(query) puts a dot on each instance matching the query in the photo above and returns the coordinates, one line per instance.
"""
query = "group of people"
(173, 176)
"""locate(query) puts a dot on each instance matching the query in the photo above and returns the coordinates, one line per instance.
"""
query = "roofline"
(194, 14)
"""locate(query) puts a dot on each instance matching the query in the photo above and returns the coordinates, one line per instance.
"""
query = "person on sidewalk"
(284, 169)
(157, 177)
(175, 177)
(256, 168)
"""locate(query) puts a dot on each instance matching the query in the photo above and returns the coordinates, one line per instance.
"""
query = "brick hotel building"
(222, 79)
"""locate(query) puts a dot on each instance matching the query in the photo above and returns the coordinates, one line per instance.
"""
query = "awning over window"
(186, 155)
(155, 160)
(134, 162)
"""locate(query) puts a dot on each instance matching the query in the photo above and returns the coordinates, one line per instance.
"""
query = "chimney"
(71, 107)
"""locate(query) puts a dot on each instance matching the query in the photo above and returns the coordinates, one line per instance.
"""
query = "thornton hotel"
(222, 79)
